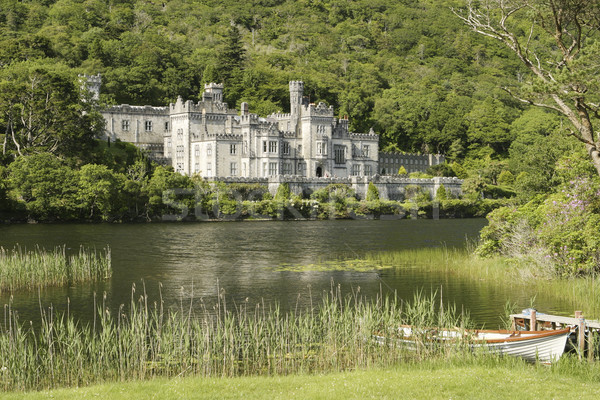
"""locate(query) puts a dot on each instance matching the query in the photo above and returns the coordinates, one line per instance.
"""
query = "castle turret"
(296, 92)
(92, 83)
(214, 92)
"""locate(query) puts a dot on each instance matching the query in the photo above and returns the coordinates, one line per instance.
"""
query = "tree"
(43, 186)
(231, 61)
(42, 110)
(372, 192)
(100, 192)
(556, 40)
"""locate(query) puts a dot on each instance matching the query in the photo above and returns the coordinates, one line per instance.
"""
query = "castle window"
(245, 148)
(285, 148)
(209, 169)
(301, 168)
(264, 146)
(356, 170)
(167, 126)
(287, 168)
(209, 149)
(197, 150)
(299, 149)
(272, 146)
(244, 169)
(264, 169)
(148, 126)
(197, 167)
(339, 154)
(179, 167)
(233, 169)
(368, 170)
(365, 150)
(168, 143)
(125, 124)
(272, 168)
(180, 152)
(232, 149)
(180, 132)
(321, 148)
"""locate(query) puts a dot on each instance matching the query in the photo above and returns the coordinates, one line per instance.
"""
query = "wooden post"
(580, 333)
(533, 321)
(591, 345)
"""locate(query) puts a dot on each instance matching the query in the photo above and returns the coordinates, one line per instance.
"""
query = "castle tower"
(92, 83)
(214, 91)
(296, 92)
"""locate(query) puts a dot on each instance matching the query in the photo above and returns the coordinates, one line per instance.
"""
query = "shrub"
(283, 192)
(441, 193)
(372, 192)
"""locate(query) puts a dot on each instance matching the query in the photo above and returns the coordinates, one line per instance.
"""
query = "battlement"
(146, 110)
(319, 110)
(93, 79)
(364, 136)
(225, 136)
(296, 86)
(280, 116)
(249, 119)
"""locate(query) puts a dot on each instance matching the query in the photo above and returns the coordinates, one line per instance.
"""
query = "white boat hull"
(542, 346)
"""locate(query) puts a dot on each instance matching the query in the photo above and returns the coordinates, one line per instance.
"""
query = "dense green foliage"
(409, 68)
(558, 231)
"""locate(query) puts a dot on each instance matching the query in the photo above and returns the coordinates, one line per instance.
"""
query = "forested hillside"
(408, 68)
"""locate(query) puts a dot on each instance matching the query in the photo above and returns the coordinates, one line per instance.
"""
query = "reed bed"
(29, 269)
(147, 341)
(582, 292)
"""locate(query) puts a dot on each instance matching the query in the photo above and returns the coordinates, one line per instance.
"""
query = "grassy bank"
(472, 379)
(28, 269)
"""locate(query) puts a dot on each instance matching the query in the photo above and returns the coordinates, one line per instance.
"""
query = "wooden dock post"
(580, 333)
(533, 323)
(591, 345)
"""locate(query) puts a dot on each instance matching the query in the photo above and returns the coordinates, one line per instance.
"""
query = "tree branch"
(531, 102)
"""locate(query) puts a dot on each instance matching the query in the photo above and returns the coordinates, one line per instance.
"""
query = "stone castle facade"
(307, 147)
(210, 139)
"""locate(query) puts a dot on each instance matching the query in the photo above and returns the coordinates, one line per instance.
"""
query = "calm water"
(195, 261)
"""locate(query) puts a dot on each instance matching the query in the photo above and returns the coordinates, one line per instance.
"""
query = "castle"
(212, 140)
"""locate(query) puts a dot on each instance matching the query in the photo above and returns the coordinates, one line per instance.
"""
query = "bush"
(283, 192)
(441, 193)
(372, 192)
(560, 230)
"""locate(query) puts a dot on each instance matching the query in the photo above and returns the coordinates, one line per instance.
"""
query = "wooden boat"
(543, 346)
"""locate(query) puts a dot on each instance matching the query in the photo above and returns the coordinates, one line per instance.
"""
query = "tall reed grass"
(28, 269)
(582, 292)
(148, 341)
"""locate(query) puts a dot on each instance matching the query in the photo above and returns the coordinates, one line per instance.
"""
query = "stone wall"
(390, 188)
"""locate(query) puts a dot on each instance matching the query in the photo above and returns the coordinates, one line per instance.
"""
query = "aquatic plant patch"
(28, 269)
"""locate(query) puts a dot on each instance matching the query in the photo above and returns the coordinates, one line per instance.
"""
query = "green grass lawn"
(439, 380)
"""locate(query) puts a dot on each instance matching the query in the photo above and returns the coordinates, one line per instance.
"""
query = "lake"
(192, 262)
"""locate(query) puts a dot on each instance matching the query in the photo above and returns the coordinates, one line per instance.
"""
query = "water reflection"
(241, 258)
